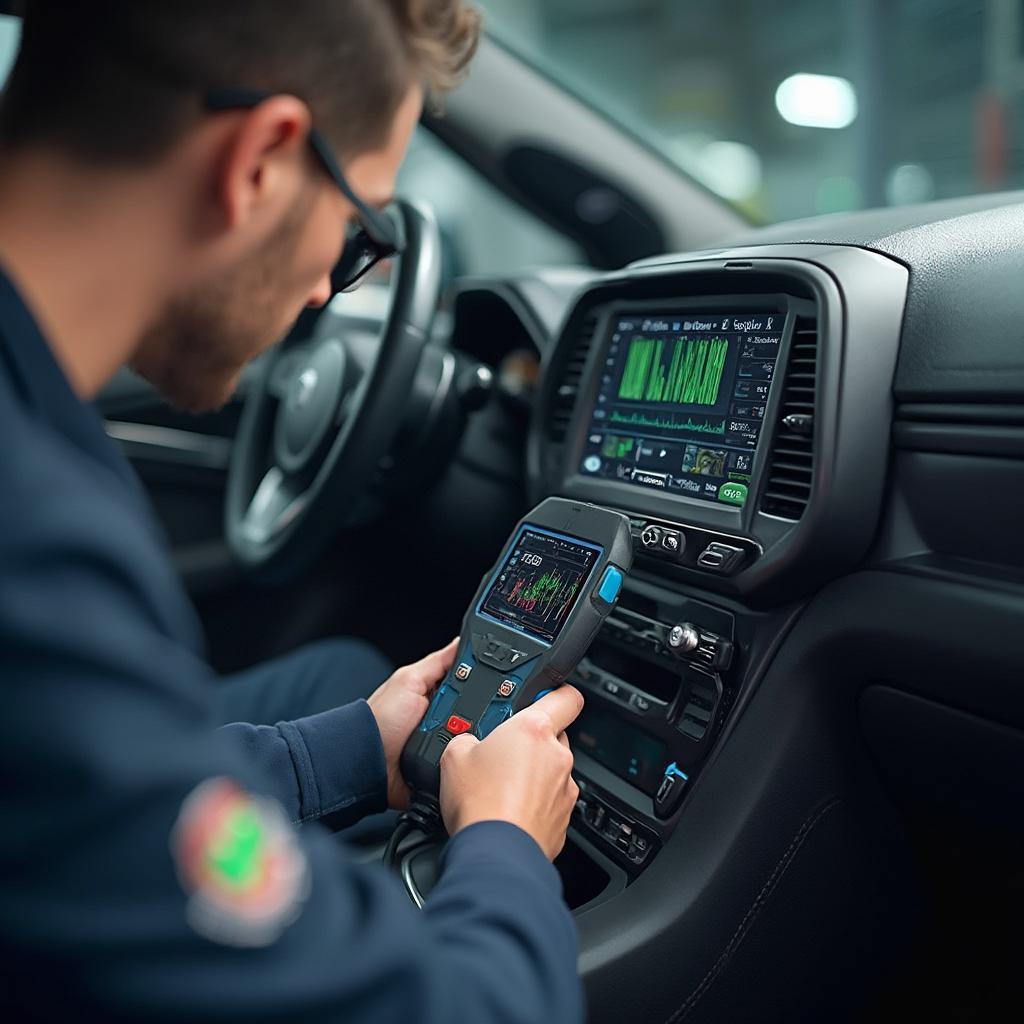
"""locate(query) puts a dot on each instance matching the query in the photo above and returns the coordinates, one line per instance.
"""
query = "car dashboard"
(808, 430)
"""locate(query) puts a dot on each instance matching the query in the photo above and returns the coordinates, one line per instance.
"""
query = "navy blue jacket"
(105, 731)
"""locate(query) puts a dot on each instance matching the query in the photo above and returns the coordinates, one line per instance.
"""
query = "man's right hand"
(521, 773)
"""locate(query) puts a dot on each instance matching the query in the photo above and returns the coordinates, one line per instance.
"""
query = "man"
(152, 866)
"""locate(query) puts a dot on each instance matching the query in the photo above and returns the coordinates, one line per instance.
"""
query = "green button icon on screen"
(733, 494)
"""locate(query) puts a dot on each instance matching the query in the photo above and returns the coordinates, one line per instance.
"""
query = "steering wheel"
(324, 411)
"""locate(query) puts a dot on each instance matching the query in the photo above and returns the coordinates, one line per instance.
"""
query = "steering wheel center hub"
(308, 408)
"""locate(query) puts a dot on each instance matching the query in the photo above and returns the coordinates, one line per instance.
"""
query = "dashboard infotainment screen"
(681, 402)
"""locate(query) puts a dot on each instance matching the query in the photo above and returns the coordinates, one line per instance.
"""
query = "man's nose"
(320, 295)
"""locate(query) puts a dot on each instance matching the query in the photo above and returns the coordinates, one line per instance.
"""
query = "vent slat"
(563, 404)
(790, 474)
(794, 483)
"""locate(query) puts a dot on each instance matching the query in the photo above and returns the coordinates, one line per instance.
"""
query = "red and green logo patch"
(240, 863)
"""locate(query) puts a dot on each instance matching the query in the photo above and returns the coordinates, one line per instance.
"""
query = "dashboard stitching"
(763, 896)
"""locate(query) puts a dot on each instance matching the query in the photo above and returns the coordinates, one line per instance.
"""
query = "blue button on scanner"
(610, 585)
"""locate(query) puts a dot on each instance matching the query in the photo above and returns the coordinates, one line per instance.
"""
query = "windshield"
(790, 108)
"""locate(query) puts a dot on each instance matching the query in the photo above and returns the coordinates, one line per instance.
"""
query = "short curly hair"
(114, 82)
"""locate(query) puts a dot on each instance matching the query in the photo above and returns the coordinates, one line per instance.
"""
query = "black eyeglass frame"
(379, 229)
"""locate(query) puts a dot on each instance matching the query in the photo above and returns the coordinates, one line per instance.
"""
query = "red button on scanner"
(456, 725)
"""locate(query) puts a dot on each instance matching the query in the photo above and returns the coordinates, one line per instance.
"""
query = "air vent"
(567, 390)
(790, 472)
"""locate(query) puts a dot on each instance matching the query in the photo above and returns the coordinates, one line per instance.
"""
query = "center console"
(736, 406)
(657, 694)
(676, 402)
(703, 399)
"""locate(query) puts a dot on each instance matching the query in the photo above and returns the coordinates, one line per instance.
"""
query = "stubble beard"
(195, 353)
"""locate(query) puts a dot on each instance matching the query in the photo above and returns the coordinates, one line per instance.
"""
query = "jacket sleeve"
(330, 763)
(107, 912)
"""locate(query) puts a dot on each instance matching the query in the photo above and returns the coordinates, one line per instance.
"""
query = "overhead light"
(817, 101)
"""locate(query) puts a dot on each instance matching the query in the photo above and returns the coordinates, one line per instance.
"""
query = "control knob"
(683, 638)
(651, 537)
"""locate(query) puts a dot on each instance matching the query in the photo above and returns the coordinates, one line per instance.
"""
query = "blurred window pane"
(790, 108)
(484, 231)
(10, 33)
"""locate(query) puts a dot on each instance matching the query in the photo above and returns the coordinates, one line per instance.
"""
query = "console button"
(671, 789)
(638, 848)
(672, 542)
(463, 671)
(693, 729)
(457, 724)
(620, 834)
(701, 702)
(709, 559)
(651, 537)
(698, 713)
(640, 703)
(719, 557)
(612, 688)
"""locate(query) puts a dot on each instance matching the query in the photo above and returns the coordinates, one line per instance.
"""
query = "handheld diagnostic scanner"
(531, 621)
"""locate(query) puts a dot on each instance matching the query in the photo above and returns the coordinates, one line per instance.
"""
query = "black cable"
(402, 829)
(423, 815)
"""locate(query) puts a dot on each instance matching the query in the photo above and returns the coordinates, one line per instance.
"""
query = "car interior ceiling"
(820, 629)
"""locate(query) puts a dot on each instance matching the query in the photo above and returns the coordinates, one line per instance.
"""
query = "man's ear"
(262, 158)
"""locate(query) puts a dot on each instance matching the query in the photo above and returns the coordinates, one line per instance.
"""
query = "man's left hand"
(399, 704)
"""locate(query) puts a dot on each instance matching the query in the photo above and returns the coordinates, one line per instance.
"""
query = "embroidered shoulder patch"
(240, 863)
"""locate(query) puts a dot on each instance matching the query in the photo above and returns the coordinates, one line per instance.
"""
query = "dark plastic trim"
(859, 300)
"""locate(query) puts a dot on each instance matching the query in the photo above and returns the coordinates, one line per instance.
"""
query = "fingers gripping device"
(531, 621)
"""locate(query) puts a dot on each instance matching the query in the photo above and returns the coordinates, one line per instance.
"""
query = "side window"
(484, 231)
(10, 33)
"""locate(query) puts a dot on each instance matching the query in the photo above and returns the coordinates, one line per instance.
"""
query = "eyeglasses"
(373, 238)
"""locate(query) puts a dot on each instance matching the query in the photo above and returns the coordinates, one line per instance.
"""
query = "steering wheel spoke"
(278, 501)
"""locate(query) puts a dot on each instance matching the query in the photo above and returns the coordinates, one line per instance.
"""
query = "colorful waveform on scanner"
(691, 375)
(543, 594)
(638, 419)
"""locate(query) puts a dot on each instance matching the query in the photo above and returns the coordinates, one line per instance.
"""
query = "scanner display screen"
(539, 583)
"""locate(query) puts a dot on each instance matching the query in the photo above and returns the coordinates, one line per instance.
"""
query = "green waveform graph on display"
(638, 419)
(551, 592)
(683, 372)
